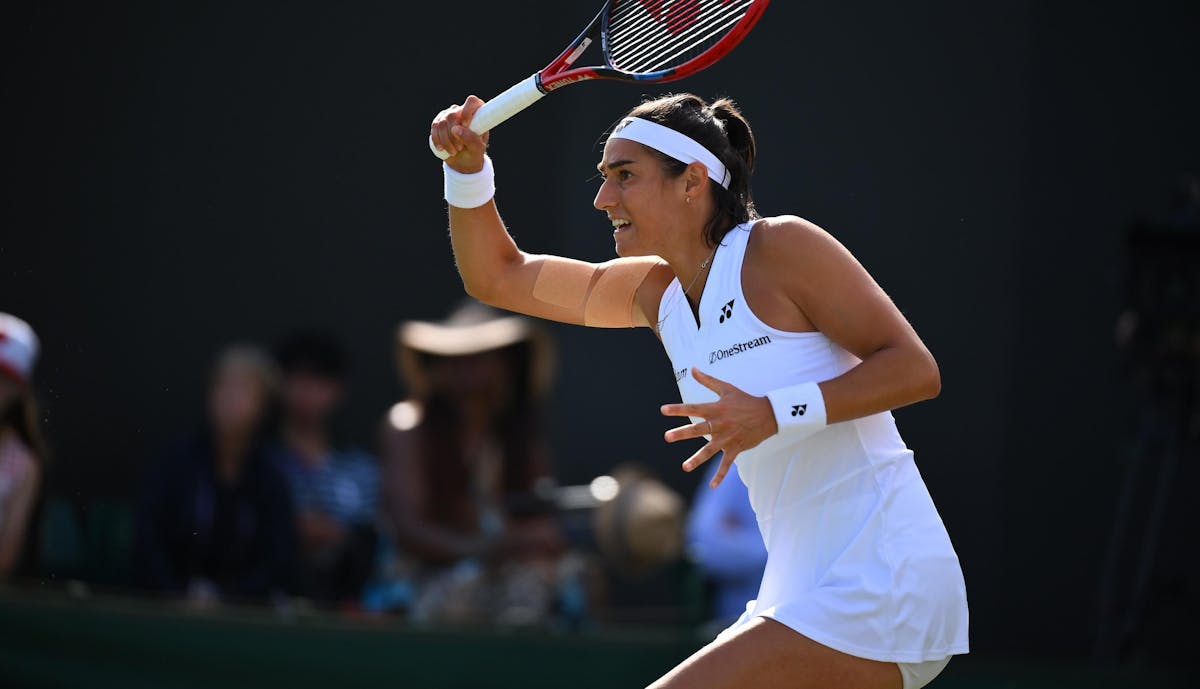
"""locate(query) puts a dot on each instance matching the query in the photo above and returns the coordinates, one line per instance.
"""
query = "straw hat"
(473, 328)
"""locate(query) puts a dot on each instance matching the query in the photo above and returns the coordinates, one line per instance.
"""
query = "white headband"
(679, 146)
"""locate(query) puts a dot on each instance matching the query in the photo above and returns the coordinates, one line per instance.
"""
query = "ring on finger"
(710, 428)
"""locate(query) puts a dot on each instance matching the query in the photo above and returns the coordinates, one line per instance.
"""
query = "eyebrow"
(612, 166)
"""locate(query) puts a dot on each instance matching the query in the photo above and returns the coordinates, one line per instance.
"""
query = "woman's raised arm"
(617, 293)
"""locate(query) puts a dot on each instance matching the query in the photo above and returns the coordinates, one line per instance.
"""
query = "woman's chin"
(625, 245)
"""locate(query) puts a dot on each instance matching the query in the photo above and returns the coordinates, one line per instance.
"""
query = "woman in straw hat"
(462, 463)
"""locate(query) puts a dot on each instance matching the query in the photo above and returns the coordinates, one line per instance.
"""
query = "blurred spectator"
(335, 490)
(724, 541)
(215, 520)
(463, 461)
(22, 453)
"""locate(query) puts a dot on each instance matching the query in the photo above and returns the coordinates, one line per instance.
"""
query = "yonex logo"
(799, 409)
(727, 311)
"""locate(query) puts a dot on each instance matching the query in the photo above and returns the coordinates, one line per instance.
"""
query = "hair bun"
(737, 129)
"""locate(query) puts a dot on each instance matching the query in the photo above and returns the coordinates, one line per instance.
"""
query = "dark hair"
(721, 128)
(517, 428)
(313, 352)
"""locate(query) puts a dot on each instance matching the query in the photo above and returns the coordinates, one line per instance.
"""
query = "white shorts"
(917, 675)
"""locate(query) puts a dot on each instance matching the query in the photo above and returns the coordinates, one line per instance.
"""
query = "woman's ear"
(695, 177)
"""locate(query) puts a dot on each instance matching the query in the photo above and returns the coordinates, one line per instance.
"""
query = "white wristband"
(799, 409)
(470, 190)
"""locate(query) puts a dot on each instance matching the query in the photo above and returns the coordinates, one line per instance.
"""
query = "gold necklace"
(700, 271)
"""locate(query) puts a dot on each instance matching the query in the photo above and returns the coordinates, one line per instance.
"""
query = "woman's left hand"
(736, 422)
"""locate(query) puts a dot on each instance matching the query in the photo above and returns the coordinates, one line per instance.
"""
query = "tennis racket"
(646, 41)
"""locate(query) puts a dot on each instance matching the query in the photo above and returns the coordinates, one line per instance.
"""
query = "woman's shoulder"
(785, 240)
(784, 228)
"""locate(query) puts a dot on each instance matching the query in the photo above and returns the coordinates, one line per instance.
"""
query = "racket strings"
(645, 25)
(647, 34)
(654, 35)
(647, 52)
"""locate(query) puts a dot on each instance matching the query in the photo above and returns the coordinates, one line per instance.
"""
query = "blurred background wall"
(179, 175)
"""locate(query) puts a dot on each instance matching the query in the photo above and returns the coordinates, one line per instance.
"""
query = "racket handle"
(497, 110)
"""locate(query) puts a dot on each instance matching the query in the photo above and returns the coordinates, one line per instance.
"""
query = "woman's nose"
(605, 197)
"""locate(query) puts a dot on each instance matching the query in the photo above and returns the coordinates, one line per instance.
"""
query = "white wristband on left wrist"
(799, 409)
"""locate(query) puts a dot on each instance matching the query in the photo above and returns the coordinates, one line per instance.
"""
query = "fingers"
(686, 410)
(467, 138)
(702, 455)
(439, 131)
(692, 430)
(726, 462)
(451, 131)
(715, 384)
(469, 108)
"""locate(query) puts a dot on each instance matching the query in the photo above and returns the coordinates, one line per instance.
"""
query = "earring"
(689, 199)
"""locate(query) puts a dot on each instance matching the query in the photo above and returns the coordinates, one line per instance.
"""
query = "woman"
(22, 453)
(462, 462)
(216, 521)
(788, 356)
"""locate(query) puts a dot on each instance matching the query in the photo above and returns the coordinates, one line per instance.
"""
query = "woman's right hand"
(451, 132)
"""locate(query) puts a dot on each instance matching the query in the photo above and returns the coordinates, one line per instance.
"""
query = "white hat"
(18, 348)
(473, 328)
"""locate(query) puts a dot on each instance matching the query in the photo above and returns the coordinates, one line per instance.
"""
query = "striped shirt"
(345, 486)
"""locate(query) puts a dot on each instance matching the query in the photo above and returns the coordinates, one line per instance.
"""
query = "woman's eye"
(624, 175)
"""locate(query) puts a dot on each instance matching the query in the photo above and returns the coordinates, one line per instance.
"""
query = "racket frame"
(560, 71)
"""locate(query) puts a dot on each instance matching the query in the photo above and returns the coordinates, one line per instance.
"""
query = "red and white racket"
(646, 41)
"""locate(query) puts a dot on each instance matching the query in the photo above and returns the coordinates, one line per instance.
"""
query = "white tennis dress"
(858, 558)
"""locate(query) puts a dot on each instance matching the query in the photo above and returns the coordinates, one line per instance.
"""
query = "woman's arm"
(811, 279)
(841, 299)
(617, 293)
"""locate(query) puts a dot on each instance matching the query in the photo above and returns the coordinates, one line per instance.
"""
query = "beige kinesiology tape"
(607, 300)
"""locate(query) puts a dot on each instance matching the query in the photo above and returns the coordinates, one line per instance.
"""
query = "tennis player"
(789, 358)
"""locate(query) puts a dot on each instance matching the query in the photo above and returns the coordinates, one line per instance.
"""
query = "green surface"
(52, 640)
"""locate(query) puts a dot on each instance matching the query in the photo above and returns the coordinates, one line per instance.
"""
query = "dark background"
(177, 177)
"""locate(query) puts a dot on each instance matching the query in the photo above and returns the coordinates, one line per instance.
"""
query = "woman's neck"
(691, 265)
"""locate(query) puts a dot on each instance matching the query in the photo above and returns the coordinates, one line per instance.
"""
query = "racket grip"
(520, 96)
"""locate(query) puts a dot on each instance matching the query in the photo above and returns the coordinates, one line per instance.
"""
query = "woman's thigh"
(767, 655)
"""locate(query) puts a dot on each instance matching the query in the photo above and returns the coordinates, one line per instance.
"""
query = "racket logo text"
(559, 83)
